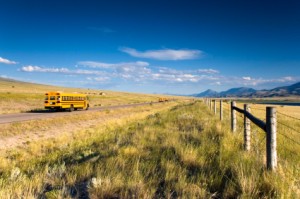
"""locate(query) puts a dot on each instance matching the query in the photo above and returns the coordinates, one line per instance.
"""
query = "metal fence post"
(246, 129)
(221, 110)
(271, 130)
(233, 117)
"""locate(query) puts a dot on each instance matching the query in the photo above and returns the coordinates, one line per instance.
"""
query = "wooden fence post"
(246, 129)
(221, 110)
(271, 128)
(233, 117)
(210, 103)
(215, 107)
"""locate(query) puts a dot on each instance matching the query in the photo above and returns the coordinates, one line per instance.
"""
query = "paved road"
(19, 117)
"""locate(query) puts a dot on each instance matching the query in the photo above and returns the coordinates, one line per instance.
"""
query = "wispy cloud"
(41, 69)
(246, 78)
(61, 70)
(208, 71)
(98, 79)
(126, 70)
(175, 78)
(93, 64)
(165, 54)
(143, 72)
(6, 61)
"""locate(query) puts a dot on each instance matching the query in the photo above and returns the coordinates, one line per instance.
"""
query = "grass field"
(178, 149)
(21, 97)
(183, 151)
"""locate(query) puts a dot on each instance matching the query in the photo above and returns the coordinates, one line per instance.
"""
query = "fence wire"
(289, 127)
(287, 139)
(288, 116)
(259, 109)
(288, 144)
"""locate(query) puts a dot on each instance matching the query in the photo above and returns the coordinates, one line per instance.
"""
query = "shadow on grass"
(78, 190)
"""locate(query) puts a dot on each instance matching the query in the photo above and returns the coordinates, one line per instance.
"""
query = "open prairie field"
(21, 97)
(172, 150)
(176, 149)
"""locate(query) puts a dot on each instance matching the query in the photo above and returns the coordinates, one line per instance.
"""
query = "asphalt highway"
(42, 114)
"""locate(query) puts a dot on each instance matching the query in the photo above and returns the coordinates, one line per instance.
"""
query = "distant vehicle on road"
(163, 99)
(66, 101)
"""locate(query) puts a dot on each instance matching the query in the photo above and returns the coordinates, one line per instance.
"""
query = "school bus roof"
(62, 93)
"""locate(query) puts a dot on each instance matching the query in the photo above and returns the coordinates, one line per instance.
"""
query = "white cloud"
(165, 70)
(87, 72)
(131, 71)
(93, 64)
(172, 75)
(247, 78)
(30, 68)
(98, 79)
(166, 54)
(6, 61)
(136, 71)
(287, 79)
(40, 69)
(61, 70)
(208, 71)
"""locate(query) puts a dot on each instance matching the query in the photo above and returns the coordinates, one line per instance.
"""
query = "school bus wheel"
(71, 108)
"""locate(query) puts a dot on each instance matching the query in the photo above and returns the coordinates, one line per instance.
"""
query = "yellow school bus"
(163, 99)
(69, 101)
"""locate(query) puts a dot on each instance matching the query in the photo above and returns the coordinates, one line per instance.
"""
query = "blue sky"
(153, 46)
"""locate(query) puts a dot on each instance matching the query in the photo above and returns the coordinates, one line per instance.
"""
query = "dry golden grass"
(182, 152)
(24, 133)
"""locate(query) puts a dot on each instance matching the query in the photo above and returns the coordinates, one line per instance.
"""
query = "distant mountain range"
(284, 91)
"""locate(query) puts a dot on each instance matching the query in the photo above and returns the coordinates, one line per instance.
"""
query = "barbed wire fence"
(287, 130)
